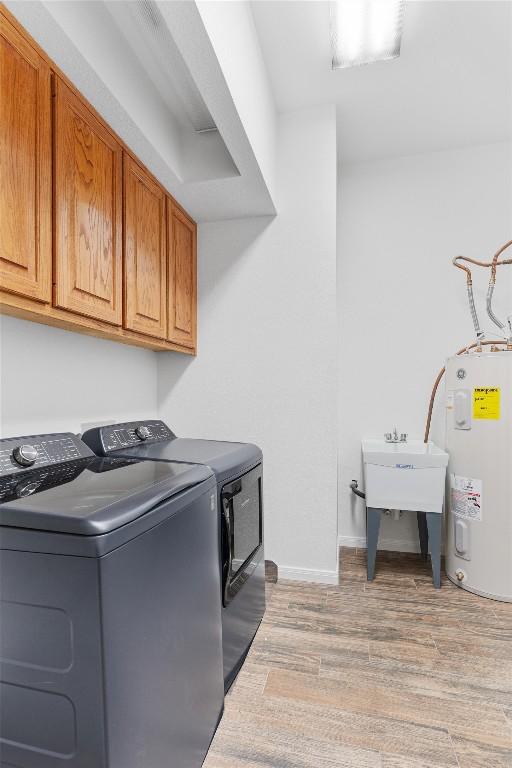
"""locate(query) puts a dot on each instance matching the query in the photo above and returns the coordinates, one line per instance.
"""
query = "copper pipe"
(494, 261)
(490, 290)
(455, 262)
(496, 256)
(440, 376)
(493, 264)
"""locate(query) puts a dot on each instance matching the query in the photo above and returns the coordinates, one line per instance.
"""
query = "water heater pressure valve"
(395, 438)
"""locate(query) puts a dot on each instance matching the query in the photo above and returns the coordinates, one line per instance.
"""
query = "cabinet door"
(182, 277)
(25, 167)
(88, 211)
(145, 290)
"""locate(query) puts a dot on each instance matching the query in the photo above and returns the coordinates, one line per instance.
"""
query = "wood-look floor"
(391, 674)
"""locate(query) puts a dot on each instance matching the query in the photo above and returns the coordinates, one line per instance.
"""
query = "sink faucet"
(393, 437)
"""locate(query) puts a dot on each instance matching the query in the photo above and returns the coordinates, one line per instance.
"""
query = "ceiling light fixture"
(146, 31)
(363, 31)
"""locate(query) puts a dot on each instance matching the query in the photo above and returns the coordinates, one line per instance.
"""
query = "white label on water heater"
(466, 497)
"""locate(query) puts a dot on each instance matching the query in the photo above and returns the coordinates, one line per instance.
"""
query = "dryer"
(111, 627)
(238, 469)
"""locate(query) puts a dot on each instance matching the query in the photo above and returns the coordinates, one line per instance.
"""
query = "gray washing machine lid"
(152, 439)
(92, 496)
(225, 459)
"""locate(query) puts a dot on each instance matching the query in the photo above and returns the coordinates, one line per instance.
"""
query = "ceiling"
(143, 64)
(451, 86)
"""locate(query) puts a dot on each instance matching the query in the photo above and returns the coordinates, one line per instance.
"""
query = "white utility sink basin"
(405, 475)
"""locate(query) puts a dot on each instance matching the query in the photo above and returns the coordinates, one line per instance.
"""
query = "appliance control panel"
(104, 440)
(18, 486)
(19, 454)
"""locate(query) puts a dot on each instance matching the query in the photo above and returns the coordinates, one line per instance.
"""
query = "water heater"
(479, 493)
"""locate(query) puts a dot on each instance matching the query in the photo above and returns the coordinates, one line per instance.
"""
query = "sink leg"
(423, 532)
(372, 538)
(434, 520)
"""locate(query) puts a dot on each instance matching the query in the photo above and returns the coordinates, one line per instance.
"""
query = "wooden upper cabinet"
(25, 167)
(182, 281)
(145, 287)
(89, 240)
(88, 211)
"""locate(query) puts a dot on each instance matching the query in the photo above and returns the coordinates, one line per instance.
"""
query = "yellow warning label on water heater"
(486, 403)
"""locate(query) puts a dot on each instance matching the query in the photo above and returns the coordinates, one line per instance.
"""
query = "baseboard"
(352, 542)
(308, 574)
(390, 545)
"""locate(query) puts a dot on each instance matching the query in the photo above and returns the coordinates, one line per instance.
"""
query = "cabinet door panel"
(145, 289)
(88, 211)
(182, 277)
(25, 167)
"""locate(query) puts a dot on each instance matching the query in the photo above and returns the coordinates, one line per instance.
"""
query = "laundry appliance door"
(242, 535)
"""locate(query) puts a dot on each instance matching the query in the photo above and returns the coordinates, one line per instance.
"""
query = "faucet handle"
(403, 437)
(388, 437)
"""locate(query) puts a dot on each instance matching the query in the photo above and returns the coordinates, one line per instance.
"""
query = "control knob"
(26, 489)
(142, 432)
(24, 455)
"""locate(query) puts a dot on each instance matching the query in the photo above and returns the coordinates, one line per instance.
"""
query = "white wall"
(402, 305)
(55, 381)
(266, 369)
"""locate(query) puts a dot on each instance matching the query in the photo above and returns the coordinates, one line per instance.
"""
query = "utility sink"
(404, 475)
